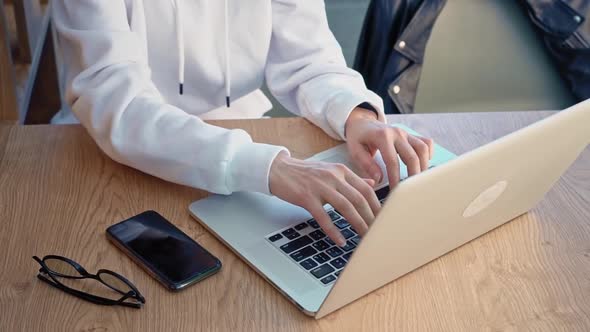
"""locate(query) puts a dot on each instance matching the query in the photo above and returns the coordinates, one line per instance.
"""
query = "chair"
(36, 98)
(486, 56)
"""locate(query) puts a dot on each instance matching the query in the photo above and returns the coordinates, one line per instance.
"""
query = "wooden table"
(58, 194)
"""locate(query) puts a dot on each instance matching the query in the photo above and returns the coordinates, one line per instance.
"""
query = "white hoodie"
(124, 59)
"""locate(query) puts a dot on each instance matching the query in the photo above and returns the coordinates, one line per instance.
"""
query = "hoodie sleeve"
(111, 93)
(306, 70)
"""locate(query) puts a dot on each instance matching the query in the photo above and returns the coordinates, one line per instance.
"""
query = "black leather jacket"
(565, 27)
(391, 49)
(395, 33)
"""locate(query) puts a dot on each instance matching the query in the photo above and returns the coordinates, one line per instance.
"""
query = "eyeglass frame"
(132, 294)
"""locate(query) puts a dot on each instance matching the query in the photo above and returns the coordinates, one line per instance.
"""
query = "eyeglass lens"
(62, 267)
(114, 282)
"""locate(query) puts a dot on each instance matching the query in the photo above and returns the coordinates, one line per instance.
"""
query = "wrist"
(280, 158)
(278, 163)
(360, 114)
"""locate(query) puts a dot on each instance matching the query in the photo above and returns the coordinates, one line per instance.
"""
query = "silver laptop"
(466, 197)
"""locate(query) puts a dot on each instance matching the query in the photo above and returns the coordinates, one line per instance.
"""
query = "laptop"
(466, 197)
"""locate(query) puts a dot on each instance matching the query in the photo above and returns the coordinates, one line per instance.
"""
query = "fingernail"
(377, 177)
(341, 241)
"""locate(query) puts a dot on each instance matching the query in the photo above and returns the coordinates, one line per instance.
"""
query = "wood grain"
(59, 193)
(4, 133)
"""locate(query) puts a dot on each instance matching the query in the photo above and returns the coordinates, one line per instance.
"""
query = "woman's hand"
(313, 184)
(365, 135)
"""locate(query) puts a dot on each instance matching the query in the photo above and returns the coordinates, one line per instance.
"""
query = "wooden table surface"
(58, 194)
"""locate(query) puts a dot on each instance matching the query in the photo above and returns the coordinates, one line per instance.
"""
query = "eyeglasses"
(53, 268)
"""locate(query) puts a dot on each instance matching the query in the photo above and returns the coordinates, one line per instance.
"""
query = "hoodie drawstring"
(180, 45)
(226, 51)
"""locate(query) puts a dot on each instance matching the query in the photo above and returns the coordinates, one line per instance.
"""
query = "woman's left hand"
(365, 135)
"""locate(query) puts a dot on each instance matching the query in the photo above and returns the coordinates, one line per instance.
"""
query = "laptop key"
(338, 263)
(275, 237)
(330, 242)
(321, 257)
(356, 240)
(349, 246)
(296, 244)
(321, 245)
(334, 215)
(347, 256)
(328, 279)
(316, 235)
(322, 271)
(337, 273)
(301, 226)
(382, 193)
(288, 231)
(341, 223)
(293, 236)
(290, 234)
(303, 253)
(334, 252)
(313, 223)
(347, 233)
(308, 264)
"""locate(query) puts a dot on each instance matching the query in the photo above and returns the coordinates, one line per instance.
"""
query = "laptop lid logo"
(485, 199)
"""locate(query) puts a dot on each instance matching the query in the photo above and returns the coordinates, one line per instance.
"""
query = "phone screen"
(164, 249)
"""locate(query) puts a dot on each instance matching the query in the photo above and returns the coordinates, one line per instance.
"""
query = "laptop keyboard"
(308, 246)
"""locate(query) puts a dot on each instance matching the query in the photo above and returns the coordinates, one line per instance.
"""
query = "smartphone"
(163, 250)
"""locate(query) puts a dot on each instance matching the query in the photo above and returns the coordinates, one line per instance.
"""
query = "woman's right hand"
(312, 184)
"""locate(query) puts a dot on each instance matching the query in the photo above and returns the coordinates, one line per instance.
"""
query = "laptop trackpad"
(286, 276)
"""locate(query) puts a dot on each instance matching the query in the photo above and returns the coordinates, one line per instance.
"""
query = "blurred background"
(483, 55)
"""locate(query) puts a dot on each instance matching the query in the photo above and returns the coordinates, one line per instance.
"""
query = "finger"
(409, 156)
(361, 206)
(421, 150)
(319, 214)
(370, 182)
(389, 155)
(430, 143)
(364, 160)
(347, 210)
(368, 194)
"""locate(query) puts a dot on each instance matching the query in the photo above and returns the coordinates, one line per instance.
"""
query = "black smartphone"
(163, 250)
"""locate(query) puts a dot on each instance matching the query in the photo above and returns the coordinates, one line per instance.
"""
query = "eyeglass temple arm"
(92, 298)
